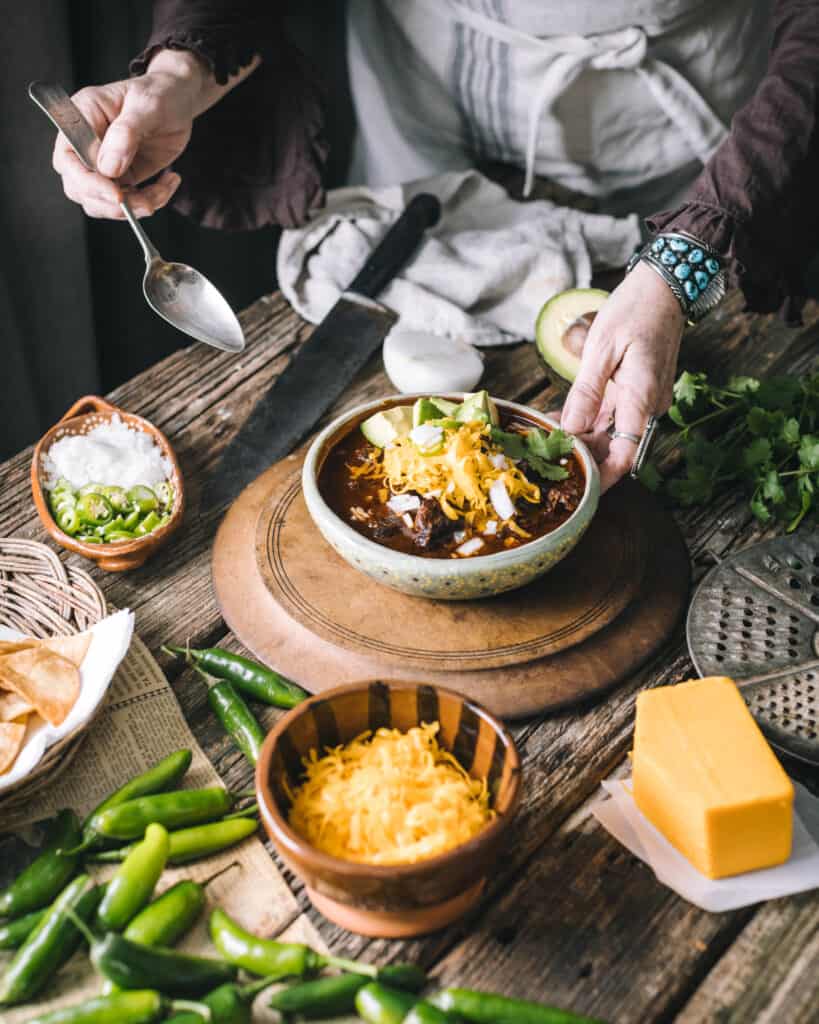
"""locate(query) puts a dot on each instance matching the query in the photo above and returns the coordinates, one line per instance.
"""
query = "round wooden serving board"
(598, 659)
(336, 602)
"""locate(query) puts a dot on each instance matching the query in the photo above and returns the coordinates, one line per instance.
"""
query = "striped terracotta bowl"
(396, 900)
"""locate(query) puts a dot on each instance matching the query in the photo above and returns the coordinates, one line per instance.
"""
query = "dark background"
(72, 316)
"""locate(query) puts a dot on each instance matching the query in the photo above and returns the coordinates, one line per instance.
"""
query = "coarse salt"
(112, 453)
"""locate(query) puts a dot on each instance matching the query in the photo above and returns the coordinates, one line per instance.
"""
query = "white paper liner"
(110, 640)
(620, 816)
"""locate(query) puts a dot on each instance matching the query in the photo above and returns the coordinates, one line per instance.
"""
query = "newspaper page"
(141, 723)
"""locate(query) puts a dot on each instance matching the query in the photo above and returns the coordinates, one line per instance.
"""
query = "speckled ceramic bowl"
(444, 578)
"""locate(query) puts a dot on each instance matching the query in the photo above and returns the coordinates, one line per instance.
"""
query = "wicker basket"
(40, 596)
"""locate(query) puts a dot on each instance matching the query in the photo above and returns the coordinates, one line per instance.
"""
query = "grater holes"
(814, 581)
(719, 657)
(794, 562)
(794, 618)
(794, 583)
(814, 599)
(816, 560)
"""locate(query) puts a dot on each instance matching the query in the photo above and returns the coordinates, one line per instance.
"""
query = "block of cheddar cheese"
(704, 775)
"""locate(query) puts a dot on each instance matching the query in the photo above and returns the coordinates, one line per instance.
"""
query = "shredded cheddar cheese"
(389, 798)
(462, 470)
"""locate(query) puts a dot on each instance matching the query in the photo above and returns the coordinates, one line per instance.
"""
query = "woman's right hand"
(144, 124)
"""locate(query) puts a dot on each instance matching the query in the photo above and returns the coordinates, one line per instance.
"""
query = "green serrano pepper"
(140, 1007)
(164, 921)
(260, 956)
(177, 809)
(187, 844)
(37, 885)
(237, 719)
(14, 933)
(164, 774)
(326, 997)
(487, 1008)
(228, 1004)
(253, 679)
(131, 887)
(131, 965)
(426, 1013)
(380, 1004)
(51, 943)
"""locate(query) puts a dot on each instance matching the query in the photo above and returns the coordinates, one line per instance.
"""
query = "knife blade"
(323, 367)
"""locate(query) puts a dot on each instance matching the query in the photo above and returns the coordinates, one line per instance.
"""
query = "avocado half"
(562, 325)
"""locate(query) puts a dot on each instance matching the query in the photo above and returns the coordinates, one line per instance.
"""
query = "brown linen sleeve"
(757, 200)
(256, 157)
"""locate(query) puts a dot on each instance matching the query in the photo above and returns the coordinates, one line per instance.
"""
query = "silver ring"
(644, 446)
(634, 438)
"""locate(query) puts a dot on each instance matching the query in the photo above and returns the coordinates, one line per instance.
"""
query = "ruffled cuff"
(256, 157)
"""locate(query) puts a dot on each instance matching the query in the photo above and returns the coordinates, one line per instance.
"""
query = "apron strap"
(624, 49)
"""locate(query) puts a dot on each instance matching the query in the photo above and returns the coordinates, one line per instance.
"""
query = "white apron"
(623, 100)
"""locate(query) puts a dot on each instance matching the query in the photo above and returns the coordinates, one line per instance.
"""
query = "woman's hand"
(144, 124)
(627, 369)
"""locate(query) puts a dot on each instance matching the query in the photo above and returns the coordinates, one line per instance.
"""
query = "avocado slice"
(384, 427)
(446, 407)
(561, 328)
(477, 406)
(423, 410)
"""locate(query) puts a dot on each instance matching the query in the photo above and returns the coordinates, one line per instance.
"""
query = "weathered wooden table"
(570, 916)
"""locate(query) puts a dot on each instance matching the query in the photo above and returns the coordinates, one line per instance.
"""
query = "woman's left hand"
(627, 369)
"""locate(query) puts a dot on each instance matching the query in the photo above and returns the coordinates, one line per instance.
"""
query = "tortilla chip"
(12, 646)
(11, 739)
(46, 680)
(73, 648)
(13, 706)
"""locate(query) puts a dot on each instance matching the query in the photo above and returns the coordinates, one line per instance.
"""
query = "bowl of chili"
(85, 414)
(335, 498)
(393, 899)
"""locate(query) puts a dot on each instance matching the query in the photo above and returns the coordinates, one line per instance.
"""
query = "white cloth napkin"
(620, 816)
(110, 640)
(481, 275)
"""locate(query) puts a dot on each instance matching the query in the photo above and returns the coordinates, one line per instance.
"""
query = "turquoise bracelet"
(692, 270)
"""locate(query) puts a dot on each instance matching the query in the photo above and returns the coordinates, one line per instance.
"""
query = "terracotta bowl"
(85, 414)
(444, 579)
(397, 900)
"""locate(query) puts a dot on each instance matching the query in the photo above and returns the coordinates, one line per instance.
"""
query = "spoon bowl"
(188, 301)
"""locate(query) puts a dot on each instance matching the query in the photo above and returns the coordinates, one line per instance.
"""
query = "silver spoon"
(179, 294)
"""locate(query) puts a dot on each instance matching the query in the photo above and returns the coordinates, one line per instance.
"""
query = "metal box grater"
(755, 617)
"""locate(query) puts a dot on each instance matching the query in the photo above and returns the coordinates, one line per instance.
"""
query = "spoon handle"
(58, 106)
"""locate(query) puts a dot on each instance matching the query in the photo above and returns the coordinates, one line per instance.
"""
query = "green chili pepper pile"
(98, 514)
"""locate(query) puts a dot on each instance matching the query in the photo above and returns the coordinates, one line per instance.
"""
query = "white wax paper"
(110, 640)
(620, 816)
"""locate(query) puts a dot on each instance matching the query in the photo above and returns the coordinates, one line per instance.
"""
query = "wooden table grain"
(570, 917)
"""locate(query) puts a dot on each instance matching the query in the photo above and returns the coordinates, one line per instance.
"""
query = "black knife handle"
(396, 247)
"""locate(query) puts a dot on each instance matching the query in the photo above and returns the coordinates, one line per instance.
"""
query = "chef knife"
(324, 366)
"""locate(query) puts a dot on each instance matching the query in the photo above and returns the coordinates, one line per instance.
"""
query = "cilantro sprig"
(541, 449)
(761, 434)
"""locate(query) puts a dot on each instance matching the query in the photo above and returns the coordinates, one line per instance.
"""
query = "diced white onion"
(427, 435)
(498, 460)
(491, 527)
(433, 494)
(501, 502)
(407, 520)
(470, 547)
(401, 503)
(459, 536)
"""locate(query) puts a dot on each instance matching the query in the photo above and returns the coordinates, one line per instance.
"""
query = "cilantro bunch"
(762, 435)
(541, 449)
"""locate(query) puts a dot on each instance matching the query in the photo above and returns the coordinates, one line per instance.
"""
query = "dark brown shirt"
(257, 157)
